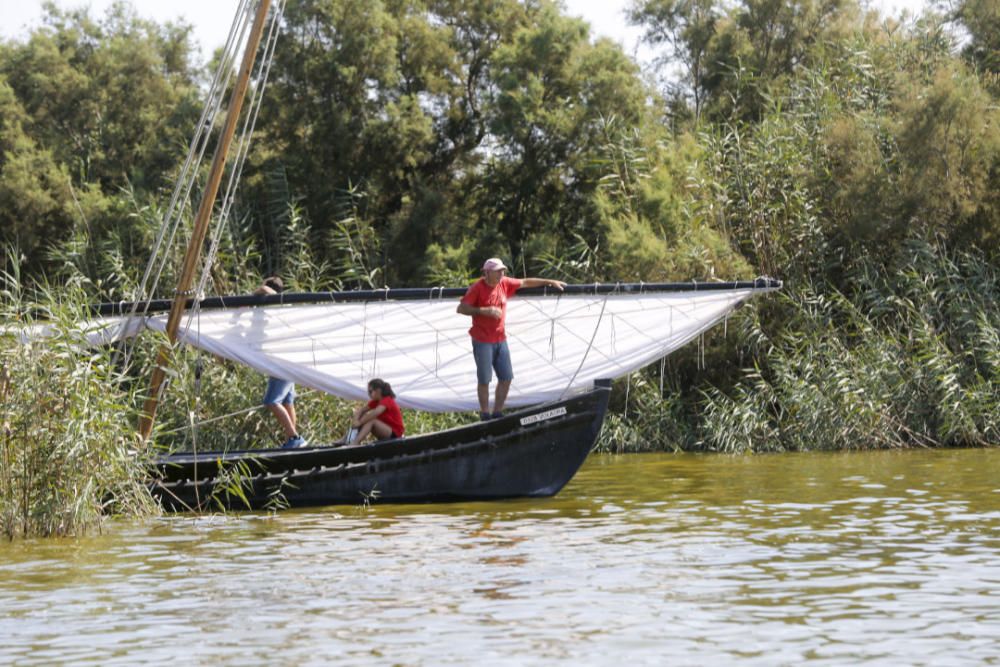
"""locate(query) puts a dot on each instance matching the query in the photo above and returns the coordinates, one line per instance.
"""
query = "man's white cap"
(493, 264)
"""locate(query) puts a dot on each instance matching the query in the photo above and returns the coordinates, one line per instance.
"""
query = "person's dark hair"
(275, 283)
(382, 386)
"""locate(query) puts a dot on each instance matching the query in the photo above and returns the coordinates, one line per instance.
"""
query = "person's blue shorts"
(279, 391)
(492, 357)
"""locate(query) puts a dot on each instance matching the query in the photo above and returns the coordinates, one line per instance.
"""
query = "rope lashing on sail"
(590, 346)
(364, 333)
(437, 334)
(552, 339)
(417, 321)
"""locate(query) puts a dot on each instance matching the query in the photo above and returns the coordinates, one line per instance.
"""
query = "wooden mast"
(202, 219)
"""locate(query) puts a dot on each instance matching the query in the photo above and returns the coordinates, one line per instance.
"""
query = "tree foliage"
(735, 56)
(87, 107)
(456, 120)
(981, 20)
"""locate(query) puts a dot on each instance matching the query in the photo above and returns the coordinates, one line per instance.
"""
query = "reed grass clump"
(69, 455)
(643, 418)
(894, 356)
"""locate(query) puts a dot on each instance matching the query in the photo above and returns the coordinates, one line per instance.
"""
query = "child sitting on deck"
(379, 416)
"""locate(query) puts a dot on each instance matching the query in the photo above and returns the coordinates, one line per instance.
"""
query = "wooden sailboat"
(533, 451)
(335, 341)
(329, 341)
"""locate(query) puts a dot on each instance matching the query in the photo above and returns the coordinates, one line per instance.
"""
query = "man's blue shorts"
(279, 391)
(490, 357)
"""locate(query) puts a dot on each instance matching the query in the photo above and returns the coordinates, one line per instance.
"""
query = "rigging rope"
(243, 144)
(604, 304)
(199, 144)
(236, 170)
(235, 413)
(195, 425)
(189, 171)
(188, 177)
(243, 149)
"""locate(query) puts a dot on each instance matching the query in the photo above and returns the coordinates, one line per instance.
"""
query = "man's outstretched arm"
(542, 282)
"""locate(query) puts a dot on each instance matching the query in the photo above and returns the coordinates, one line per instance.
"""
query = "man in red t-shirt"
(486, 302)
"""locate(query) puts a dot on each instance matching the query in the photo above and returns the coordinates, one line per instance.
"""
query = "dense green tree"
(735, 56)
(886, 139)
(686, 27)
(382, 99)
(553, 90)
(34, 190)
(104, 94)
(454, 120)
(981, 18)
(95, 106)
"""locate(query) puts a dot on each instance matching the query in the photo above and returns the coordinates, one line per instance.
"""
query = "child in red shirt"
(380, 416)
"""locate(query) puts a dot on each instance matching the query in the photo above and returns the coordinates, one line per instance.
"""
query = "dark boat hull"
(529, 453)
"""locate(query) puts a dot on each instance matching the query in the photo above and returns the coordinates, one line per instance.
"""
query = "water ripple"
(878, 558)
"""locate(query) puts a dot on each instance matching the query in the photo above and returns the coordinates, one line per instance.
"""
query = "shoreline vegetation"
(69, 452)
(855, 157)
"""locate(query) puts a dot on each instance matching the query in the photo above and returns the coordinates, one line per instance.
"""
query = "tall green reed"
(895, 356)
(69, 455)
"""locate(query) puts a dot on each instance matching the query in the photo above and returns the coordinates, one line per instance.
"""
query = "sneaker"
(295, 442)
(485, 416)
(497, 415)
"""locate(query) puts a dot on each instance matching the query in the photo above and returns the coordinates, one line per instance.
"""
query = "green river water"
(862, 558)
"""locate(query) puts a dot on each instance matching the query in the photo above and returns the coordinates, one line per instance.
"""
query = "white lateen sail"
(559, 344)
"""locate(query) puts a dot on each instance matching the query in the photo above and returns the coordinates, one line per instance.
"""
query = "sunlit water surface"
(878, 558)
